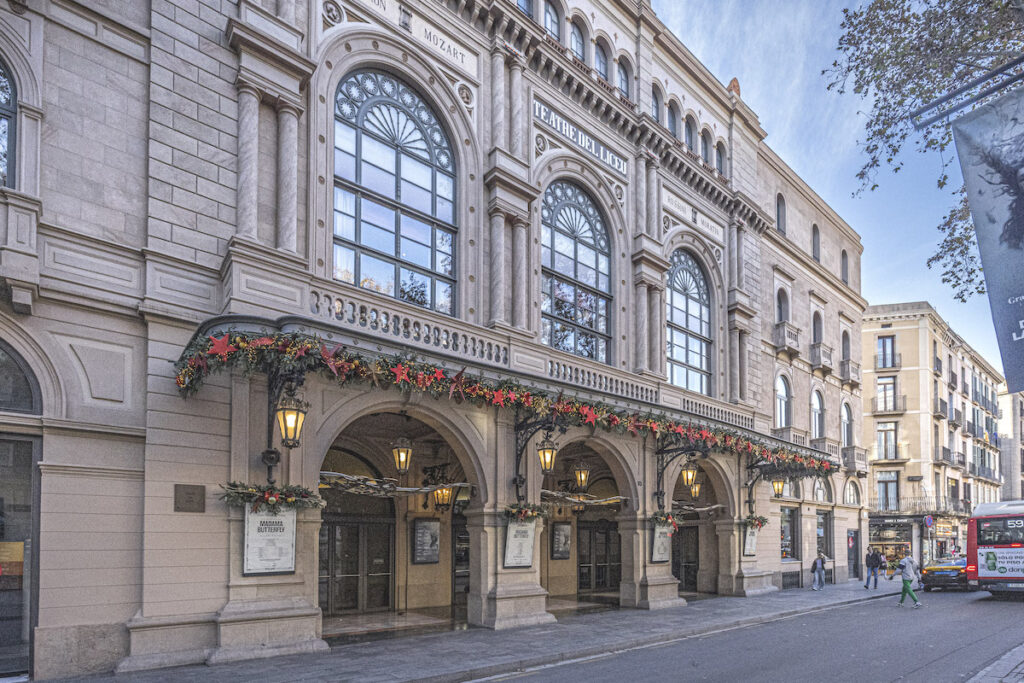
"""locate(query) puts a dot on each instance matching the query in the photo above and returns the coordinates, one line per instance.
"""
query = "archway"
(696, 544)
(393, 548)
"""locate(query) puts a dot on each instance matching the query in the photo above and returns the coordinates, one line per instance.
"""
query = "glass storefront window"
(15, 554)
(790, 540)
(824, 533)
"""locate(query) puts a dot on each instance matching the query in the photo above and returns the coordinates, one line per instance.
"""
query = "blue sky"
(777, 51)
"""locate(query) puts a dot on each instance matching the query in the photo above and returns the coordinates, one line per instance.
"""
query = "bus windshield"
(1003, 531)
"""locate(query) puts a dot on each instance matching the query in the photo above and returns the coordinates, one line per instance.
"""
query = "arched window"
(394, 193)
(655, 105)
(601, 61)
(673, 120)
(846, 345)
(852, 494)
(576, 274)
(19, 392)
(720, 158)
(846, 426)
(526, 6)
(689, 324)
(816, 330)
(817, 415)
(8, 117)
(782, 398)
(624, 78)
(844, 267)
(782, 306)
(791, 489)
(705, 147)
(576, 42)
(780, 214)
(691, 133)
(552, 24)
(822, 491)
(815, 243)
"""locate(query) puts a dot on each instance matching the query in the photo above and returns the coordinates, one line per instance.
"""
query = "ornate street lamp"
(582, 474)
(698, 481)
(547, 451)
(778, 485)
(402, 450)
(578, 507)
(291, 414)
(688, 473)
(443, 498)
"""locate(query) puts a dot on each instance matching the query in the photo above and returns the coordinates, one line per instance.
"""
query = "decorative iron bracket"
(277, 383)
(526, 428)
(668, 452)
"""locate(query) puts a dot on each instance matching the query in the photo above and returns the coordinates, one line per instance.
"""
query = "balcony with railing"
(888, 361)
(821, 357)
(855, 459)
(939, 408)
(889, 405)
(956, 418)
(919, 505)
(791, 434)
(987, 473)
(937, 366)
(825, 445)
(952, 380)
(787, 338)
(960, 460)
(849, 372)
(943, 454)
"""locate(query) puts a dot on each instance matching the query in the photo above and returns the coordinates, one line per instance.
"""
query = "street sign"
(928, 521)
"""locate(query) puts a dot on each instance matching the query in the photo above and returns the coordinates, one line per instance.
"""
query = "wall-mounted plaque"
(269, 543)
(661, 544)
(561, 540)
(189, 498)
(519, 544)
(426, 541)
(750, 542)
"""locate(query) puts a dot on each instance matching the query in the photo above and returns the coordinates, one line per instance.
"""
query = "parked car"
(945, 572)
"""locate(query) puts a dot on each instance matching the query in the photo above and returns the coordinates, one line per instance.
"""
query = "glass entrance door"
(853, 553)
(685, 557)
(460, 561)
(355, 566)
(17, 523)
(599, 556)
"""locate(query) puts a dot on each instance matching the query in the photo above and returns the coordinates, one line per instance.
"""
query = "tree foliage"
(898, 55)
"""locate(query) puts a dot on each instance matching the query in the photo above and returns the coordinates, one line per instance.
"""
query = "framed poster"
(561, 540)
(269, 543)
(661, 544)
(426, 541)
(519, 544)
(749, 542)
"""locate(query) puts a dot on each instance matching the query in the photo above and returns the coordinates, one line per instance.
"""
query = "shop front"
(893, 538)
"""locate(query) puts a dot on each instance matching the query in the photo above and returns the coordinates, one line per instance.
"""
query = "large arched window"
(845, 345)
(705, 147)
(689, 324)
(526, 6)
(816, 243)
(846, 426)
(817, 333)
(656, 105)
(8, 117)
(19, 392)
(822, 491)
(817, 415)
(780, 214)
(394, 193)
(690, 133)
(782, 399)
(781, 306)
(576, 42)
(624, 77)
(720, 158)
(844, 267)
(576, 274)
(852, 495)
(601, 61)
(673, 119)
(552, 23)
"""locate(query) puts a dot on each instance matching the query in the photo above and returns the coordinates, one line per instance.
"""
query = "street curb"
(583, 653)
(999, 669)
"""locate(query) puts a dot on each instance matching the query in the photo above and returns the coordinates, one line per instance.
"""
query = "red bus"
(995, 547)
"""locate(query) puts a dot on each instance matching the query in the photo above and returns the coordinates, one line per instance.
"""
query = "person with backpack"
(873, 560)
(908, 571)
(818, 572)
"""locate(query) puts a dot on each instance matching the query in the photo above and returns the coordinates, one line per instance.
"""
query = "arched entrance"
(695, 545)
(391, 557)
(582, 562)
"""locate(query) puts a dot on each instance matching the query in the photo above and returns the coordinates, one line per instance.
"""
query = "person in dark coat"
(873, 560)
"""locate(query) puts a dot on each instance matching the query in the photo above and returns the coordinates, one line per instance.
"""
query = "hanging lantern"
(443, 498)
(291, 413)
(402, 450)
(689, 473)
(582, 474)
(547, 451)
(698, 481)
(578, 507)
(778, 485)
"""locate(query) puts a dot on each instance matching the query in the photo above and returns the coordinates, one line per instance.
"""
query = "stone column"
(738, 255)
(655, 323)
(248, 153)
(516, 97)
(287, 176)
(520, 277)
(641, 193)
(640, 313)
(499, 98)
(497, 262)
(652, 198)
(734, 364)
(732, 261)
(742, 365)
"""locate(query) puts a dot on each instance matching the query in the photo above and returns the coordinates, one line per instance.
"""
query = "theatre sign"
(577, 136)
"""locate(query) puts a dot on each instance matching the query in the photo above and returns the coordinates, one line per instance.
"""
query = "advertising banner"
(269, 542)
(990, 144)
(1000, 563)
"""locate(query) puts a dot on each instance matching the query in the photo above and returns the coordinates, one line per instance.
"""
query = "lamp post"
(547, 451)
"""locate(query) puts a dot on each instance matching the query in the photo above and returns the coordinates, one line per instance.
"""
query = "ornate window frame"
(687, 280)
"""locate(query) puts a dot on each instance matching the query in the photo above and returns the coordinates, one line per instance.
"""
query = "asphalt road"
(950, 638)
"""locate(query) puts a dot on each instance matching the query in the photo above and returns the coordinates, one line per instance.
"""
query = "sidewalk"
(476, 653)
(1007, 669)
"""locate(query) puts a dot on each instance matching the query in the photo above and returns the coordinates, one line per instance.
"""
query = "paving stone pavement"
(475, 653)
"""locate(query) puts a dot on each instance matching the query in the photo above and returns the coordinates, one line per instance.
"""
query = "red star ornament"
(221, 347)
(401, 373)
(589, 416)
(498, 398)
(438, 374)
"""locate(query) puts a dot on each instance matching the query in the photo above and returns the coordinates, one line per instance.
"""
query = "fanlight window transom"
(394, 193)
(576, 278)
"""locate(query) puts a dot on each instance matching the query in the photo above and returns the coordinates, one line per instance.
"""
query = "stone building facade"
(1011, 436)
(931, 426)
(560, 197)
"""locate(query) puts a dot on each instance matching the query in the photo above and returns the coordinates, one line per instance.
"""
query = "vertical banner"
(990, 144)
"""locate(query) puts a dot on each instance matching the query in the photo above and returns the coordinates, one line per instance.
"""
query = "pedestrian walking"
(873, 560)
(818, 572)
(908, 572)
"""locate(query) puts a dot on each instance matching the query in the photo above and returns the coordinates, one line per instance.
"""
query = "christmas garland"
(525, 512)
(273, 498)
(662, 518)
(298, 353)
(755, 521)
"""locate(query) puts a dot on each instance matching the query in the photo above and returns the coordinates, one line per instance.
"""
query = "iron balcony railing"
(888, 361)
(956, 418)
(920, 505)
(939, 408)
(944, 455)
(959, 460)
(952, 380)
(882, 405)
(937, 366)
